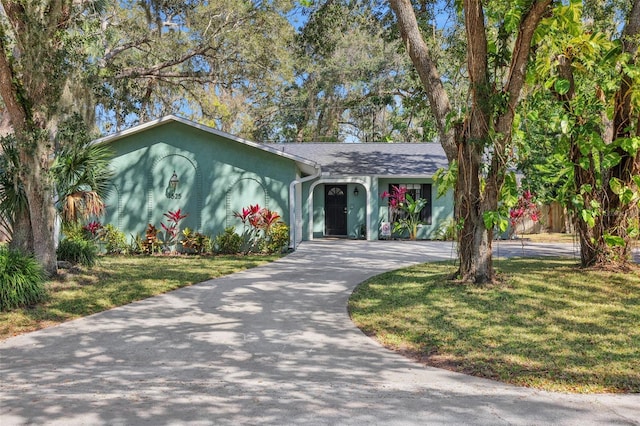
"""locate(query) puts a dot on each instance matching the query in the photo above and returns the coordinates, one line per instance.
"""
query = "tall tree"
(595, 128)
(214, 60)
(498, 47)
(131, 59)
(348, 74)
(37, 55)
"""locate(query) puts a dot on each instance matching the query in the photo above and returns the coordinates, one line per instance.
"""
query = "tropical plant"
(194, 241)
(405, 210)
(81, 172)
(136, 245)
(93, 229)
(447, 230)
(13, 200)
(21, 279)
(526, 208)
(151, 243)
(277, 239)
(172, 230)
(229, 242)
(113, 239)
(75, 231)
(78, 251)
(257, 223)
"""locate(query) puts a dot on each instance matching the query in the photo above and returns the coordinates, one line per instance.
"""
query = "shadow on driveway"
(271, 345)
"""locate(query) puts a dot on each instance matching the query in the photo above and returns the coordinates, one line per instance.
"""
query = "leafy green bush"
(229, 242)
(21, 280)
(194, 242)
(78, 250)
(114, 240)
(75, 231)
(277, 239)
(136, 246)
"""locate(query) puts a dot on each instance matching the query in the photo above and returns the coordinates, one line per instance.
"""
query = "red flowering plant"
(404, 210)
(525, 208)
(92, 229)
(255, 221)
(172, 230)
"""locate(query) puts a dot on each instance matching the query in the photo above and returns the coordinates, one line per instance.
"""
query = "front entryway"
(335, 210)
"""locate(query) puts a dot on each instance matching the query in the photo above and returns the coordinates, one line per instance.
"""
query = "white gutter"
(292, 204)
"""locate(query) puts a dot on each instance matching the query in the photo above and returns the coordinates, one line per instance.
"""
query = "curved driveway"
(272, 345)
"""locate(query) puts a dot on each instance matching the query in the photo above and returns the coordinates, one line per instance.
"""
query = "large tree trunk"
(21, 232)
(474, 239)
(39, 190)
(618, 216)
(428, 72)
(465, 144)
(30, 90)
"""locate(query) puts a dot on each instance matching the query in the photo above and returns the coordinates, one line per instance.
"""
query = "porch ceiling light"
(355, 191)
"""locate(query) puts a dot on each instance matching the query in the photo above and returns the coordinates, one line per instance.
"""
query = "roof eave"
(305, 165)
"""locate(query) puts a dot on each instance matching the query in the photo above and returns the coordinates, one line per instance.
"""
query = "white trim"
(307, 166)
(347, 179)
(293, 217)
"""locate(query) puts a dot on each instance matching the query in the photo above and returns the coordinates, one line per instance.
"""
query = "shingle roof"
(408, 159)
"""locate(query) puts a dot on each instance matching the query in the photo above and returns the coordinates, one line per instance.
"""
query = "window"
(416, 190)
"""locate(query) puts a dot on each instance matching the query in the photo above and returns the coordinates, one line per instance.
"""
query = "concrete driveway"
(272, 345)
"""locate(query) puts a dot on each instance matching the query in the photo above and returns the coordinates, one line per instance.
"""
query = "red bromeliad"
(93, 227)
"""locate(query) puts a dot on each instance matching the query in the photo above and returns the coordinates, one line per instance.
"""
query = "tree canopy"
(498, 84)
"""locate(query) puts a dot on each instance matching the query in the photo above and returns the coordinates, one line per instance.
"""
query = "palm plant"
(14, 214)
(81, 174)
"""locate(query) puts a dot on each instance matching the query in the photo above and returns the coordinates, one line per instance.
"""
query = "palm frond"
(81, 205)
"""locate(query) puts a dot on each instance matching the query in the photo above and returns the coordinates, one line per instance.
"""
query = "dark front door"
(335, 210)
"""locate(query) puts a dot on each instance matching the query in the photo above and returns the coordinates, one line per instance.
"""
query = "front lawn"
(550, 325)
(116, 281)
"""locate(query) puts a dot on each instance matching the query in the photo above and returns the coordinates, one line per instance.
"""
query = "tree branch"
(519, 60)
(156, 70)
(428, 72)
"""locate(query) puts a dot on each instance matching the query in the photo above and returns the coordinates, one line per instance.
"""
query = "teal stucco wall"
(217, 176)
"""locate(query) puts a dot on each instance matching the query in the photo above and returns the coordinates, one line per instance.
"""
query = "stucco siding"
(217, 176)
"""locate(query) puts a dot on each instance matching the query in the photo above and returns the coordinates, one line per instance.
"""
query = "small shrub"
(114, 240)
(151, 244)
(78, 250)
(75, 231)
(194, 242)
(229, 242)
(21, 280)
(278, 238)
(136, 246)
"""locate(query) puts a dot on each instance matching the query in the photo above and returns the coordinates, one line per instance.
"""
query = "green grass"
(549, 325)
(116, 281)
